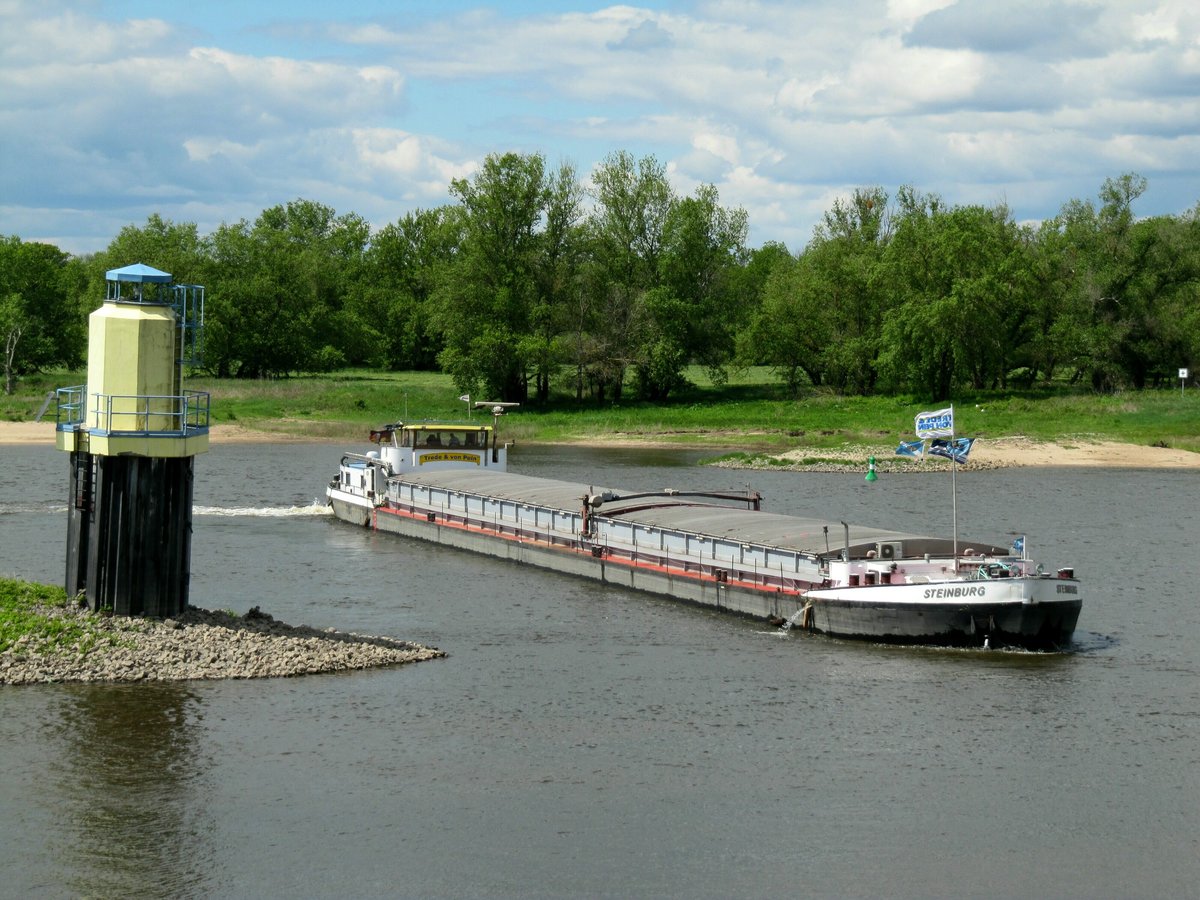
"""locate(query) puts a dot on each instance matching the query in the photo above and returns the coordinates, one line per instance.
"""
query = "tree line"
(529, 281)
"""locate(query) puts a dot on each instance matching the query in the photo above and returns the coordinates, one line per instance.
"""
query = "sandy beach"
(992, 453)
(1111, 454)
(43, 433)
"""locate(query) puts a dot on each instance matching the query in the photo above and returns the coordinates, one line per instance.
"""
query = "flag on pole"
(936, 424)
(915, 449)
(958, 449)
(1019, 545)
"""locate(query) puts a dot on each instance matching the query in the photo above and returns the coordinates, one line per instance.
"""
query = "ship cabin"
(422, 447)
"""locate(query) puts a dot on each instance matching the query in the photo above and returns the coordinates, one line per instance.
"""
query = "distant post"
(1183, 374)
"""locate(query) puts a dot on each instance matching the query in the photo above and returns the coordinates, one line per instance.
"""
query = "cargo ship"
(449, 483)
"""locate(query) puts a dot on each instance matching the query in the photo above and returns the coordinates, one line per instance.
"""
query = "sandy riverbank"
(987, 453)
(43, 433)
(1014, 452)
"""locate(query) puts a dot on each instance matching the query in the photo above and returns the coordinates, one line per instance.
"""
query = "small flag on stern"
(915, 449)
(958, 449)
(1019, 544)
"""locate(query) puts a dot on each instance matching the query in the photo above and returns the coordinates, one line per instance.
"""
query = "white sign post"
(1183, 374)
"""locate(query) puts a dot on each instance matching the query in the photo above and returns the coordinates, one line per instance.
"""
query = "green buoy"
(871, 476)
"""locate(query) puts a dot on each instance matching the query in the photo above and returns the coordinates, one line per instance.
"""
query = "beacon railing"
(163, 415)
(187, 300)
(71, 401)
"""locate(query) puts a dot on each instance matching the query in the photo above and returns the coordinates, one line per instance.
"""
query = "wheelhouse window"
(419, 438)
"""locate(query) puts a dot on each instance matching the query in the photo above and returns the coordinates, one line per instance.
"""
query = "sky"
(211, 111)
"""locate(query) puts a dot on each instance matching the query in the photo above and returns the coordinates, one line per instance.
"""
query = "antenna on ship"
(499, 407)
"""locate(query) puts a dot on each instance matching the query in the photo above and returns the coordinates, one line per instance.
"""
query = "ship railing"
(566, 535)
(716, 568)
(156, 415)
(989, 568)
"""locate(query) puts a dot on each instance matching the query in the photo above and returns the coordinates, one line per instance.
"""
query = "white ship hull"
(1036, 612)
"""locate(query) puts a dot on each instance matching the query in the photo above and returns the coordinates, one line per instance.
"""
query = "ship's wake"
(264, 512)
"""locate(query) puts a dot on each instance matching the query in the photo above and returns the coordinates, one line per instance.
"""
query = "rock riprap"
(200, 644)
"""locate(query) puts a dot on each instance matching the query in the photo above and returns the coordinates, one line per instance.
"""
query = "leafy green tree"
(1125, 286)
(557, 263)
(748, 283)
(402, 268)
(1099, 243)
(849, 298)
(278, 287)
(694, 312)
(39, 326)
(1176, 322)
(489, 300)
(662, 348)
(1155, 291)
(963, 279)
(992, 288)
(1048, 344)
(789, 331)
(821, 312)
(173, 247)
(13, 325)
(778, 334)
(625, 238)
(512, 284)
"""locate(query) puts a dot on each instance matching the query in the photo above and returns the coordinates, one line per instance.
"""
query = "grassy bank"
(33, 620)
(751, 412)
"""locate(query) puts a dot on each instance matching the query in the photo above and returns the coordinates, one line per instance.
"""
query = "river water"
(586, 741)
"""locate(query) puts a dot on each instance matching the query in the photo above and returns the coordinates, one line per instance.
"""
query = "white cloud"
(647, 35)
(908, 11)
(782, 106)
(34, 38)
(722, 146)
(424, 172)
(888, 79)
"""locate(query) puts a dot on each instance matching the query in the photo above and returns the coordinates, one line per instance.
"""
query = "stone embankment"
(199, 645)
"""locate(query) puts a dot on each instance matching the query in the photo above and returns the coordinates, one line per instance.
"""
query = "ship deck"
(811, 536)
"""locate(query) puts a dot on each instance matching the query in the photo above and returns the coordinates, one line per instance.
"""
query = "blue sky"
(211, 111)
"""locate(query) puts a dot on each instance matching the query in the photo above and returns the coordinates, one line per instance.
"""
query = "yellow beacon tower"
(132, 432)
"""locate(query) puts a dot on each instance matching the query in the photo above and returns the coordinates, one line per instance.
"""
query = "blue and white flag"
(1019, 545)
(915, 449)
(936, 424)
(958, 449)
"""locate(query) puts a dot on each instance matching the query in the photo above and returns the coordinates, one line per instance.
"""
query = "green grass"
(751, 412)
(28, 621)
(30, 393)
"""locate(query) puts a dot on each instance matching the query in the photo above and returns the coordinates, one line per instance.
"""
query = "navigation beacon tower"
(132, 432)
